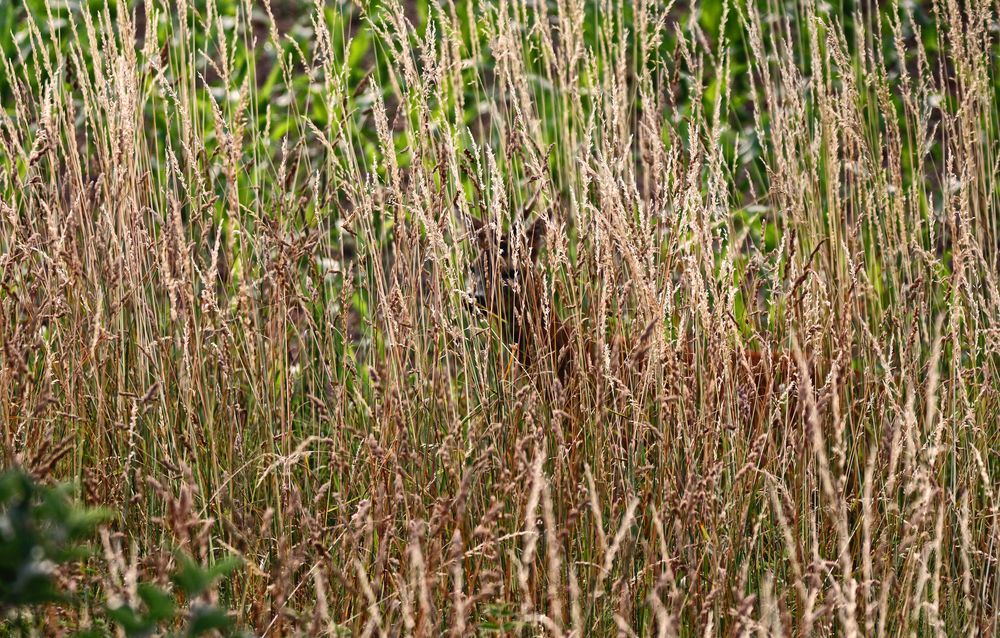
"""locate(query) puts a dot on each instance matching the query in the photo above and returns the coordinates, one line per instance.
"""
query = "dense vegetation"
(575, 317)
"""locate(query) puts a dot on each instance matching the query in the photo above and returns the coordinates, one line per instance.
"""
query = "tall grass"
(237, 278)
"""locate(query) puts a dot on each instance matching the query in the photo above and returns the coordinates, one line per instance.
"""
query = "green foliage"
(42, 529)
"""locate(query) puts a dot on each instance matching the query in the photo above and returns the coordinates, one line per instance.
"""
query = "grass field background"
(237, 281)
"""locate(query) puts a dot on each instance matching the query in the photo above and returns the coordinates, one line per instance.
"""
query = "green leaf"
(192, 579)
(159, 604)
(224, 566)
(131, 621)
(205, 618)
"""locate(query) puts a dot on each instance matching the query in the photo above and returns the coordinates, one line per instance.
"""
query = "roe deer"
(512, 292)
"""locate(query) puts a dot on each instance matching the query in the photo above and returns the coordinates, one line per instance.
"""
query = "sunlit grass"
(746, 382)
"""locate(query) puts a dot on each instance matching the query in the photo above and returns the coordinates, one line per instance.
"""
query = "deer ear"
(536, 236)
(478, 228)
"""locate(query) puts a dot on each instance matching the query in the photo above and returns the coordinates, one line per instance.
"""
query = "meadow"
(505, 317)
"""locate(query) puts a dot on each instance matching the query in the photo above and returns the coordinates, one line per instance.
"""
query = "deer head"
(508, 286)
